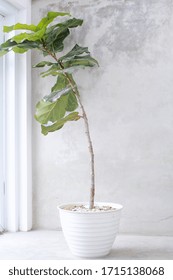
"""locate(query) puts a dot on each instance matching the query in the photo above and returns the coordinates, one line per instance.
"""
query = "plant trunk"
(90, 145)
(87, 131)
(91, 151)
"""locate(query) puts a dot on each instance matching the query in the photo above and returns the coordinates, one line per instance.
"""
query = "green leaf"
(61, 84)
(49, 18)
(71, 23)
(58, 45)
(62, 87)
(3, 52)
(19, 50)
(77, 57)
(50, 111)
(29, 44)
(54, 106)
(8, 44)
(72, 103)
(76, 51)
(43, 64)
(29, 36)
(18, 26)
(60, 123)
(56, 34)
(53, 70)
(50, 73)
(6, 47)
(86, 60)
(53, 96)
(70, 77)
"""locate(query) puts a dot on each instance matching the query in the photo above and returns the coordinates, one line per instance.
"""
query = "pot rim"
(116, 205)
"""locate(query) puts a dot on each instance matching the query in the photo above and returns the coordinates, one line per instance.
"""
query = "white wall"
(129, 101)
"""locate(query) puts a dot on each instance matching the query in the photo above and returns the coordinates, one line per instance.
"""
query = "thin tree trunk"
(87, 131)
(90, 145)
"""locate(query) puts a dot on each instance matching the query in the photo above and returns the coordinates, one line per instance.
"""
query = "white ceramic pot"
(90, 234)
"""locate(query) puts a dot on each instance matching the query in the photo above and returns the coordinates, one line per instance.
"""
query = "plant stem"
(87, 129)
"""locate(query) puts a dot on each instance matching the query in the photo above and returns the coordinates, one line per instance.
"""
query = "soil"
(84, 208)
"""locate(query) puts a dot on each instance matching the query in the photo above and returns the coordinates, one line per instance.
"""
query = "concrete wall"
(129, 101)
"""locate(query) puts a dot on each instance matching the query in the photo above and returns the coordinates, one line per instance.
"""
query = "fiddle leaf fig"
(49, 38)
(58, 107)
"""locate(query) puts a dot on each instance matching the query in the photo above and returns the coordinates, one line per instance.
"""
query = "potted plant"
(89, 228)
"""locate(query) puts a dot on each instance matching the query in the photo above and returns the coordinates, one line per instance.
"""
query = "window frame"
(2, 193)
(17, 129)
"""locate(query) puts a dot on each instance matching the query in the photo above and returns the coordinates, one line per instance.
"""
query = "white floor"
(50, 245)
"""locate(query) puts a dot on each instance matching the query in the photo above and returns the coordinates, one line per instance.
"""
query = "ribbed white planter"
(90, 234)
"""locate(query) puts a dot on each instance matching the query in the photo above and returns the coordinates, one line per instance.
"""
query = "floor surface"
(50, 245)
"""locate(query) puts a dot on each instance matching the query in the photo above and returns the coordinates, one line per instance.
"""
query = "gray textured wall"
(129, 101)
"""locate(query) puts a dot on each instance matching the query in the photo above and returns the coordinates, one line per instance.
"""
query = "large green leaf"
(60, 123)
(61, 84)
(58, 45)
(63, 87)
(19, 26)
(78, 56)
(29, 44)
(17, 47)
(72, 82)
(86, 60)
(43, 23)
(55, 43)
(8, 44)
(47, 111)
(54, 70)
(19, 50)
(72, 103)
(34, 36)
(71, 23)
(60, 87)
(55, 35)
(75, 51)
(49, 18)
(59, 28)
